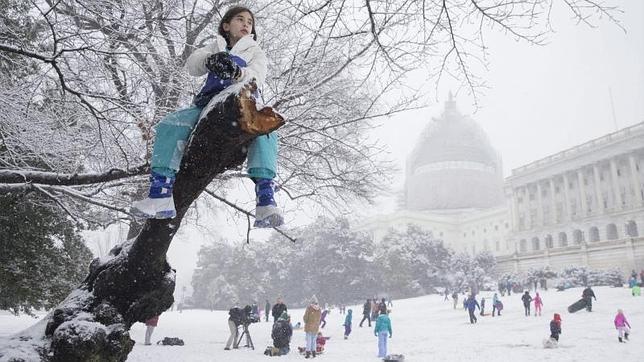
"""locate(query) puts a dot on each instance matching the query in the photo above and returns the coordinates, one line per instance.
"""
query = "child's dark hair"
(229, 15)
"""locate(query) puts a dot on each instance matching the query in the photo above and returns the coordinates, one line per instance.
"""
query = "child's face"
(240, 25)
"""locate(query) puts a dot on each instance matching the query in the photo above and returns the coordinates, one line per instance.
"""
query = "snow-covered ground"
(424, 329)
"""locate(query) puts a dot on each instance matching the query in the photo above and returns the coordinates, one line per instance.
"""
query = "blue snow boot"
(267, 215)
(159, 204)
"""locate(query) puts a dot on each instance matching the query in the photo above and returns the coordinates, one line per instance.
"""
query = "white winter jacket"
(245, 48)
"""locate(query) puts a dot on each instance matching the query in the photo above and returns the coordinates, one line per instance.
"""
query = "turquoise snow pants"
(172, 134)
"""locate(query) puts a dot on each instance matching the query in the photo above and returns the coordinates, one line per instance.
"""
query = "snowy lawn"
(424, 329)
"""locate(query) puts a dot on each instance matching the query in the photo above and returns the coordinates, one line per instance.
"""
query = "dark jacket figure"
(366, 312)
(588, 296)
(278, 309)
(555, 327)
(267, 308)
(471, 305)
(234, 320)
(482, 306)
(526, 298)
(382, 307)
(281, 334)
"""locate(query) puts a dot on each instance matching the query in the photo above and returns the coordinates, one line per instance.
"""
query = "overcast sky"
(541, 100)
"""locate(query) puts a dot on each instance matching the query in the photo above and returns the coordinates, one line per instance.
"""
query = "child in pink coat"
(538, 303)
(622, 326)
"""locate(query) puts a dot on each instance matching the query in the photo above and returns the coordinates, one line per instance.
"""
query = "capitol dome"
(453, 166)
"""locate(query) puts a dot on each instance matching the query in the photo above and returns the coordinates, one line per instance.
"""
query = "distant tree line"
(336, 264)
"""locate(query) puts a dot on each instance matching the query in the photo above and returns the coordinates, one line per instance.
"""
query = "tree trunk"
(135, 282)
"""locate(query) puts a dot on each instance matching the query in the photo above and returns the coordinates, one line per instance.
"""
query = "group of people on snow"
(471, 304)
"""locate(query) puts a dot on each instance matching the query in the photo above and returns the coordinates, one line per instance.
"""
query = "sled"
(550, 343)
(577, 306)
(394, 358)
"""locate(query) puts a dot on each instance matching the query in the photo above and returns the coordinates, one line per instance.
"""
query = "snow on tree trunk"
(136, 282)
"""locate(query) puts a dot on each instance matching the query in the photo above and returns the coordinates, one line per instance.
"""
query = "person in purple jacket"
(622, 326)
(323, 318)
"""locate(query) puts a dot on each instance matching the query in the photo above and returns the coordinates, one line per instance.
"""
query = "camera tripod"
(249, 341)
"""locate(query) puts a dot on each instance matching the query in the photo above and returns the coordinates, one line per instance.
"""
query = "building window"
(631, 229)
(440, 234)
(484, 230)
(498, 245)
(507, 226)
(496, 227)
(611, 232)
(619, 172)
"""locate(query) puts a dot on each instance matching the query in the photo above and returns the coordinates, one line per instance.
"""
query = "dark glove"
(223, 66)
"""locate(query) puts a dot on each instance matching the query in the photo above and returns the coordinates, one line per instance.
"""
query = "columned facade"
(581, 198)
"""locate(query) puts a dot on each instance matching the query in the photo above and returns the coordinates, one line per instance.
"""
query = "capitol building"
(581, 206)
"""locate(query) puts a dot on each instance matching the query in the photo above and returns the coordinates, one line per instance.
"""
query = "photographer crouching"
(240, 317)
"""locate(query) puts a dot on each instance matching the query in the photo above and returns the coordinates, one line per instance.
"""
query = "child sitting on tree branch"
(233, 58)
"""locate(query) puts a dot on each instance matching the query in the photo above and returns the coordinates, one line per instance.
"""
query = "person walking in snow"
(323, 318)
(495, 304)
(347, 323)
(527, 299)
(482, 306)
(234, 58)
(382, 331)
(312, 317)
(538, 303)
(374, 309)
(555, 327)
(366, 312)
(471, 304)
(382, 306)
(622, 326)
(455, 299)
(588, 296)
(150, 324)
(267, 308)
(282, 333)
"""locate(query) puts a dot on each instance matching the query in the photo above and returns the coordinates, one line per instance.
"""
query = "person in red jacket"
(320, 342)
(150, 325)
(555, 327)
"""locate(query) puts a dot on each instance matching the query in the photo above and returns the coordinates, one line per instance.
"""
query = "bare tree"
(104, 72)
